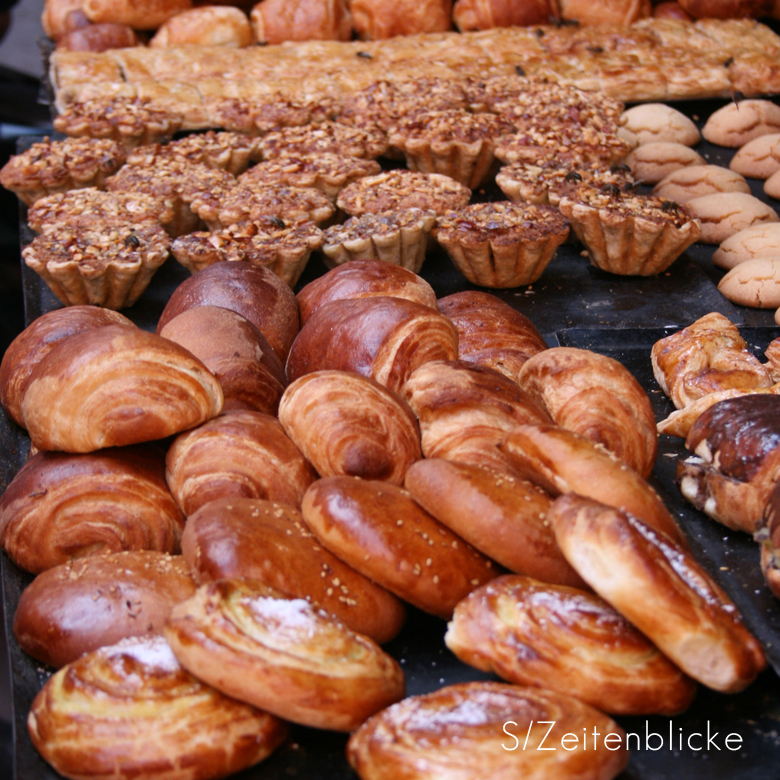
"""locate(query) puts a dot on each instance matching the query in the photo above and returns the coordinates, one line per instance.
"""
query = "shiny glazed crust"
(115, 386)
(282, 655)
(130, 711)
(458, 731)
(661, 589)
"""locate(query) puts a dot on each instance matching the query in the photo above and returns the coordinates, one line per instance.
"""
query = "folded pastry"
(347, 424)
(114, 386)
(37, 340)
(379, 530)
(629, 233)
(205, 26)
(266, 241)
(466, 410)
(327, 136)
(659, 587)
(568, 640)
(736, 460)
(132, 122)
(49, 167)
(130, 710)
(254, 292)
(562, 461)
(283, 655)
(374, 20)
(380, 337)
(108, 267)
(490, 332)
(93, 602)
(501, 244)
(707, 356)
(596, 396)
(364, 279)
(60, 506)
(277, 21)
(236, 352)
(397, 237)
(239, 454)
(458, 729)
(220, 542)
(325, 171)
(500, 515)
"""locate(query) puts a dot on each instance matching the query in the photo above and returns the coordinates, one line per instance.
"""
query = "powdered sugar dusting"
(151, 651)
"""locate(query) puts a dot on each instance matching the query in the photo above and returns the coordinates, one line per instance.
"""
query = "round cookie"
(772, 186)
(650, 162)
(759, 158)
(693, 181)
(736, 124)
(649, 122)
(757, 241)
(754, 283)
(723, 214)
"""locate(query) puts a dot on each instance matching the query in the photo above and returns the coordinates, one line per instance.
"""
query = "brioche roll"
(658, 585)
(282, 655)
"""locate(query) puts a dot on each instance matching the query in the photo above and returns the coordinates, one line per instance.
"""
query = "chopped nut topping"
(328, 136)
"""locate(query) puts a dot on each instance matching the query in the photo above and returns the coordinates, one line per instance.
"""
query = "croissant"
(490, 332)
(466, 410)
(376, 19)
(501, 516)
(82, 605)
(285, 656)
(210, 25)
(239, 454)
(236, 352)
(220, 543)
(379, 530)
(130, 710)
(383, 338)
(364, 279)
(562, 461)
(487, 14)
(276, 21)
(138, 14)
(37, 340)
(60, 506)
(658, 586)
(346, 424)
(252, 291)
(550, 636)
(113, 386)
(707, 356)
(597, 397)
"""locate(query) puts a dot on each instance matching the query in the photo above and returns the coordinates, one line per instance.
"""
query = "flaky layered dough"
(597, 397)
(115, 386)
(221, 542)
(707, 356)
(62, 506)
(475, 730)
(82, 605)
(364, 279)
(379, 530)
(502, 516)
(130, 711)
(283, 655)
(381, 337)
(562, 461)
(661, 589)
(490, 332)
(37, 340)
(346, 424)
(241, 454)
(466, 410)
(568, 640)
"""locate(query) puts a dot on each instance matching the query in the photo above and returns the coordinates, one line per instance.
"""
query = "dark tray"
(573, 304)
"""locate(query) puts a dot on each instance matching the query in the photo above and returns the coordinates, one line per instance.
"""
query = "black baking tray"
(573, 304)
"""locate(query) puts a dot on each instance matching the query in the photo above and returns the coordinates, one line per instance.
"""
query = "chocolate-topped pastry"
(327, 136)
(736, 462)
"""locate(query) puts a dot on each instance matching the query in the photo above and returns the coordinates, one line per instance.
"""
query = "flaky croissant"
(62, 506)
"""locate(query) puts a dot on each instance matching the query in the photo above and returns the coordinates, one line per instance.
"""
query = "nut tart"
(268, 112)
(327, 136)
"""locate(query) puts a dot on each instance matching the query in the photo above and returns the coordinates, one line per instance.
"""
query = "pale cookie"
(650, 162)
(693, 181)
(772, 186)
(754, 283)
(736, 124)
(757, 241)
(651, 122)
(723, 214)
(759, 158)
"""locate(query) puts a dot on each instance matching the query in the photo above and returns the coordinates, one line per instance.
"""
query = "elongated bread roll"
(138, 14)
